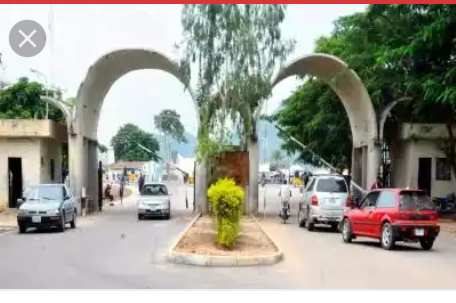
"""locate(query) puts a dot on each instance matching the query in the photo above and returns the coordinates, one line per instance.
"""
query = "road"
(114, 250)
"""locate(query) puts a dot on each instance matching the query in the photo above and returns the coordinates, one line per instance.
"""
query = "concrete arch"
(107, 70)
(353, 95)
(89, 101)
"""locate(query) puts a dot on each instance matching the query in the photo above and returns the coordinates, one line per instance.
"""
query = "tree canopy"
(22, 100)
(128, 141)
(399, 50)
(168, 122)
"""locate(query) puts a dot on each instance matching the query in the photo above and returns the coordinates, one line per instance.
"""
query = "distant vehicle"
(154, 201)
(392, 215)
(323, 201)
(47, 205)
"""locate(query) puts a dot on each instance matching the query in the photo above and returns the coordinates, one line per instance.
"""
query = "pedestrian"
(140, 182)
(377, 184)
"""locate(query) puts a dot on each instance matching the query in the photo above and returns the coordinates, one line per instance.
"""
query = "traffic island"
(196, 246)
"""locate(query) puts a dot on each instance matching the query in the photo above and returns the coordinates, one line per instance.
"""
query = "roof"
(128, 164)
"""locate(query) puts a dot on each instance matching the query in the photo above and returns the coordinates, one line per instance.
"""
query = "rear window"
(415, 200)
(154, 190)
(332, 185)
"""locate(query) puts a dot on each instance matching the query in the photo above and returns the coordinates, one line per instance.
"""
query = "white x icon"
(27, 38)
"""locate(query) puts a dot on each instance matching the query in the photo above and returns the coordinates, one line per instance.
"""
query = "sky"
(83, 33)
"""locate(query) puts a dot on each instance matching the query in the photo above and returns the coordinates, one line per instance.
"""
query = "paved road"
(114, 250)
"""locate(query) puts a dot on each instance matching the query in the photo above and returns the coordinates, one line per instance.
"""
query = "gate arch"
(89, 101)
(357, 103)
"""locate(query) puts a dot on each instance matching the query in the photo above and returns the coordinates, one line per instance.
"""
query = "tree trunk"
(450, 150)
(254, 163)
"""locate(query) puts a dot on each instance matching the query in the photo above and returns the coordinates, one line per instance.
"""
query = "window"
(52, 170)
(387, 199)
(442, 170)
(154, 190)
(415, 200)
(46, 192)
(370, 200)
(332, 185)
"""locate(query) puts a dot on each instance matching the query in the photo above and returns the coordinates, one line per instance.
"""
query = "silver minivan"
(323, 201)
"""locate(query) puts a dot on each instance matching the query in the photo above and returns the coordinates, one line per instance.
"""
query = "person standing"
(141, 182)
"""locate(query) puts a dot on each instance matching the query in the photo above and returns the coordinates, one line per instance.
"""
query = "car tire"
(309, 224)
(427, 244)
(168, 217)
(301, 220)
(73, 223)
(386, 238)
(61, 227)
(140, 217)
(22, 229)
(347, 233)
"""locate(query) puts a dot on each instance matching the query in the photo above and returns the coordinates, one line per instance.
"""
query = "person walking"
(140, 182)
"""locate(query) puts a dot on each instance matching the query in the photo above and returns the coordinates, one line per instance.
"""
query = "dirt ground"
(200, 239)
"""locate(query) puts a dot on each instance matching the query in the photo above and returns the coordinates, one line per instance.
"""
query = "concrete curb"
(7, 230)
(223, 261)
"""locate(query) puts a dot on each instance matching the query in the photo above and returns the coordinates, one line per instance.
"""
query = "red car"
(392, 215)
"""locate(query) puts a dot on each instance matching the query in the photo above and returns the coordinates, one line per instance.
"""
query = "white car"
(323, 201)
(154, 201)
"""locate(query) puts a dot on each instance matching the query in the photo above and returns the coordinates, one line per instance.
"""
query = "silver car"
(47, 205)
(323, 201)
(154, 201)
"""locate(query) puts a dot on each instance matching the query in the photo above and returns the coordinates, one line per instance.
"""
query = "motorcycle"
(285, 211)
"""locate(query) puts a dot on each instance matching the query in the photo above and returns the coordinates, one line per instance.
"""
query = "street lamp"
(40, 74)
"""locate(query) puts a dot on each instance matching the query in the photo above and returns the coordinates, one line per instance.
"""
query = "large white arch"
(89, 101)
(107, 70)
(353, 95)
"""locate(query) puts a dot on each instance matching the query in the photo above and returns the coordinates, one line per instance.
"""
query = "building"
(418, 160)
(31, 152)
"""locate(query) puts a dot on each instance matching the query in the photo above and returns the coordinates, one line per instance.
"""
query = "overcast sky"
(83, 33)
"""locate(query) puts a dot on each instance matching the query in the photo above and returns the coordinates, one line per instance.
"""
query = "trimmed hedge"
(227, 201)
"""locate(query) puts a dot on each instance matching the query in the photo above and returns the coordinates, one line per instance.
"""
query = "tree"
(277, 159)
(128, 141)
(22, 100)
(168, 122)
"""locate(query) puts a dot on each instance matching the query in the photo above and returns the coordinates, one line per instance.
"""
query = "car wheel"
(168, 216)
(347, 233)
(301, 220)
(73, 223)
(387, 239)
(22, 229)
(140, 217)
(426, 244)
(62, 224)
(309, 224)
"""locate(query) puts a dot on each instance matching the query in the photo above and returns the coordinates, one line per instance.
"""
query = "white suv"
(323, 201)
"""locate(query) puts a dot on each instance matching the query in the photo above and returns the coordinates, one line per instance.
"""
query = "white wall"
(29, 151)
(51, 149)
(406, 166)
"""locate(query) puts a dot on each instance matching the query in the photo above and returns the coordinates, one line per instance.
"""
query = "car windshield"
(415, 200)
(331, 185)
(43, 193)
(154, 190)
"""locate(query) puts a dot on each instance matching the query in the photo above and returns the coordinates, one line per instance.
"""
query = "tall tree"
(169, 124)
(128, 141)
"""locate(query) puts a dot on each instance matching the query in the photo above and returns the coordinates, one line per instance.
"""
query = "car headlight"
(142, 204)
(53, 212)
(22, 212)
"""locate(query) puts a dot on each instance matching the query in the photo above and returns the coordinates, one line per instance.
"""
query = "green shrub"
(227, 201)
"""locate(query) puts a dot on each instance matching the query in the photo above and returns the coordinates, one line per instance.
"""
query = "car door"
(384, 208)
(360, 217)
(307, 194)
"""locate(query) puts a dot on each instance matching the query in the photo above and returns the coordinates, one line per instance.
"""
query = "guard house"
(31, 152)
(418, 160)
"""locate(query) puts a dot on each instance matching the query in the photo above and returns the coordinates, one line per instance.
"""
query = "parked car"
(392, 215)
(323, 201)
(154, 201)
(47, 205)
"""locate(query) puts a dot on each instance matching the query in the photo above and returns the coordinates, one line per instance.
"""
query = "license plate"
(419, 232)
(331, 200)
(36, 219)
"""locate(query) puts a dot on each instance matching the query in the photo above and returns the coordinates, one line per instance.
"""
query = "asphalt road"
(114, 250)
